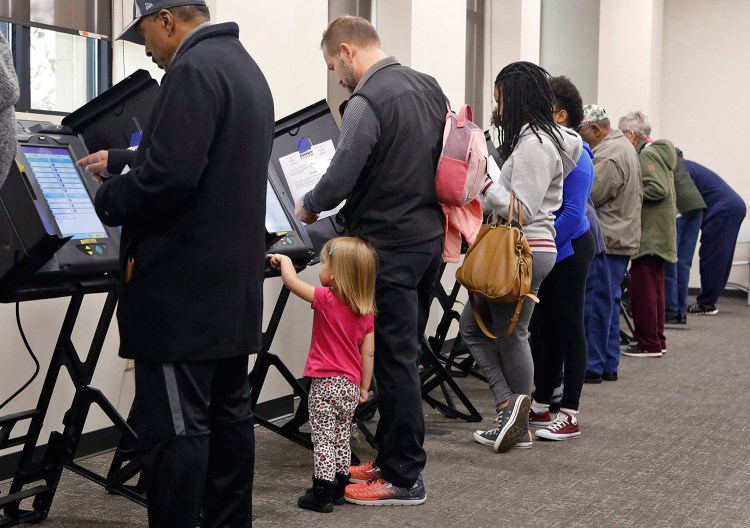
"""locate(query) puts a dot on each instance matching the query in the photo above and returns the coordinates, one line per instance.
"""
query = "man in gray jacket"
(617, 196)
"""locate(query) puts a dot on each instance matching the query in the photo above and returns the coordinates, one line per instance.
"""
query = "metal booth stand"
(55, 248)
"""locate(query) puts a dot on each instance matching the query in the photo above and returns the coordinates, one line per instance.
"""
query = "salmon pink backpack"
(462, 166)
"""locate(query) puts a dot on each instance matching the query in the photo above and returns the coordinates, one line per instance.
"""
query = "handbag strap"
(513, 319)
(478, 318)
(510, 209)
(515, 203)
(520, 214)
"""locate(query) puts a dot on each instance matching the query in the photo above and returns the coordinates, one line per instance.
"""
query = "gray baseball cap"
(142, 8)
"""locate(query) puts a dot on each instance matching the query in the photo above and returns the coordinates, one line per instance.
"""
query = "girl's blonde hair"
(354, 264)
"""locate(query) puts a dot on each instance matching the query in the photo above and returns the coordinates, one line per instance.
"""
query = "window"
(59, 63)
(58, 71)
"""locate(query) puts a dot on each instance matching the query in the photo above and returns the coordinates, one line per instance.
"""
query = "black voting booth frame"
(38, 479)
(315, 123)
(58, 269)
(37, 474)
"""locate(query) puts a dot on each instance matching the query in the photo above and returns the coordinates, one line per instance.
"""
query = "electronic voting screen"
(277, 220)
(64, 196)
(284, 232)
(63, 190)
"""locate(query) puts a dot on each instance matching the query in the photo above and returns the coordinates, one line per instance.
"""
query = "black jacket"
(394, 203)
(193, 207)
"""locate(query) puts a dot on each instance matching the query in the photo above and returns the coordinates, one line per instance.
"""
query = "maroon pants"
(647, 302)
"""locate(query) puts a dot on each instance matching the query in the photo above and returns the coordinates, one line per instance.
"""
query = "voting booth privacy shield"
(117, 117)
(302, 149)
(52, 231)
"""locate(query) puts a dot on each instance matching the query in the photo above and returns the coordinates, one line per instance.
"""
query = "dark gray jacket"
(385, 164)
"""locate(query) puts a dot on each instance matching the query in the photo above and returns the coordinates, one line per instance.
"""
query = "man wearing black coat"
(193, 248)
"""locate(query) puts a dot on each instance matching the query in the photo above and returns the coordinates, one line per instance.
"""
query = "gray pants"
(506, 361)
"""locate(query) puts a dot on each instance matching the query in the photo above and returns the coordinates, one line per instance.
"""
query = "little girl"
(341, 357)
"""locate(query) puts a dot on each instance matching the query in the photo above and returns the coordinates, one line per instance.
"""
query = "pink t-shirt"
(337, 334)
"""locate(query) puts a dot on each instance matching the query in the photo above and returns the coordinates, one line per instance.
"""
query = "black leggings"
(557, 335)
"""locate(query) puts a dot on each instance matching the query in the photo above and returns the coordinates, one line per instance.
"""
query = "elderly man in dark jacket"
(192, 257)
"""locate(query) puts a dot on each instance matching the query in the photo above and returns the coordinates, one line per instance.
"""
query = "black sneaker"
(592, 377)
(609, 376)
(676, 319)
(703, 309)
(634, 351)
(509, 425)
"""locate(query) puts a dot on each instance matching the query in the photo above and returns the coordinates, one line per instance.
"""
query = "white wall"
(394, 21)
(630, 58)
(706, 81)
(296, 72)
(512, 33)
(438, 44)
(285, 42)
(570, 43)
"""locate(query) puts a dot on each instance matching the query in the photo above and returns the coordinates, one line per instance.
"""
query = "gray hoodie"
(534, 172)
(8, 96)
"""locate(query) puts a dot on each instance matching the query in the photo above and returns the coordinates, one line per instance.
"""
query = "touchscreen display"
(64, 191)
(276, 218)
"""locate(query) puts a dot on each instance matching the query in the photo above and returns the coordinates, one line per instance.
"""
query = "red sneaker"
(565, 427)
(540, 419)
(364, 472)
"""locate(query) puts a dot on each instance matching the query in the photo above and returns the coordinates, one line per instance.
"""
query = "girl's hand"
(276, 259)
(363, 395)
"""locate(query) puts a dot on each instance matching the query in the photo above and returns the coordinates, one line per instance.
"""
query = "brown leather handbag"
(498, 266)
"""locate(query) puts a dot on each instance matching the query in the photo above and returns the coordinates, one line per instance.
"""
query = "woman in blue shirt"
(558, 337)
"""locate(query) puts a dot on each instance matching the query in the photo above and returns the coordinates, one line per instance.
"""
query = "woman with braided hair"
(538, 154)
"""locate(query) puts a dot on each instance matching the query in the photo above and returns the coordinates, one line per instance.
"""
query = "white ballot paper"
(303, 171)
(492, 169)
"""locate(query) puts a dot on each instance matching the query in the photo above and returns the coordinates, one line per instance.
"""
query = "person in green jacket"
(658, 236)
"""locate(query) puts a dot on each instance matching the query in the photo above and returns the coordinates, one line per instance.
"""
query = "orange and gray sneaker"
(364, 472)
(378, 492)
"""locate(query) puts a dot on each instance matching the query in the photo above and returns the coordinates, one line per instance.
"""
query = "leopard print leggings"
(332, 402)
